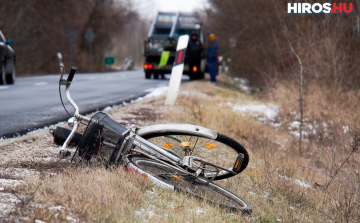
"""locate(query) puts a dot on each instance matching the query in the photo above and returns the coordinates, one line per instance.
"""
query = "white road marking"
(41, 84)
(3, 87)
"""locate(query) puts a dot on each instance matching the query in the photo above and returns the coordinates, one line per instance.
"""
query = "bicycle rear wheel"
(197, 187)
(189, 140)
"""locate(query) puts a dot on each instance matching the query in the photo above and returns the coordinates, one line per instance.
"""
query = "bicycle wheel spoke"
(197, 139)
(220, 151)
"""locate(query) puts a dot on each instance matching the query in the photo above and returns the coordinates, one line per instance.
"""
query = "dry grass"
(280, 184)
(276, 169)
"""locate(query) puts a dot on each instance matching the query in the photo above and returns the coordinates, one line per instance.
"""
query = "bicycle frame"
(104, 136)
(132, 141)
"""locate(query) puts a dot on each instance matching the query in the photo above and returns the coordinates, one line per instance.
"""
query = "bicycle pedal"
(238, 163)
(189, 161)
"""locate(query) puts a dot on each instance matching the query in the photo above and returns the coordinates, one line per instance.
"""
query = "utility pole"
(89, 36)
(232, 46)
(72, 38)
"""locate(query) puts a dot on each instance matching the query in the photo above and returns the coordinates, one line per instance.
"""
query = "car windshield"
(162, 31)
(187, 31)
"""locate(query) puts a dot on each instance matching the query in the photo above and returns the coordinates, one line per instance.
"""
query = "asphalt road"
(33, 102)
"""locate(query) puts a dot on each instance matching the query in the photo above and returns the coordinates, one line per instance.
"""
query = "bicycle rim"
(196, 187)
(221, 151)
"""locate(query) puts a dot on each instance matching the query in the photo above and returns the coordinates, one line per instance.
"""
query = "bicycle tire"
(161, 130)
(225, 153)
(199, 188)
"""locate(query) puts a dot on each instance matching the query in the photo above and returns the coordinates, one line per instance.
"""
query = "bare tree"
(40, 28)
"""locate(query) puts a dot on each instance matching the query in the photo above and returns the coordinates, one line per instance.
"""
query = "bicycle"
(182, 157)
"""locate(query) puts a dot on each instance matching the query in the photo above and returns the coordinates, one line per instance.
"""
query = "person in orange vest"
(212, 56)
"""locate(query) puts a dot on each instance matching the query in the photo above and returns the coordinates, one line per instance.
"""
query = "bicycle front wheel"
(198, 187)
(190, 140)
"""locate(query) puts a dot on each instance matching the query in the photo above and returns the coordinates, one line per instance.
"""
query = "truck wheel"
(156, 75)
(2, 74)
(201, 75)
(147, 75)
(10, 77)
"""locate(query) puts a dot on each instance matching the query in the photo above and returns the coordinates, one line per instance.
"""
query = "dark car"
(7, 61)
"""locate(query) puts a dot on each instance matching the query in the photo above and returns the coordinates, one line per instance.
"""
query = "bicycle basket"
(102, 138)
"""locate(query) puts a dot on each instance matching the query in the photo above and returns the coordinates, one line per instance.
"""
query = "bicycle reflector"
(185, 144)
(211, 146)
(167, 146)
(238, 163)
(177, 178)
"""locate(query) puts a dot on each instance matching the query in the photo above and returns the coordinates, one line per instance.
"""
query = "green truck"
(160, 45)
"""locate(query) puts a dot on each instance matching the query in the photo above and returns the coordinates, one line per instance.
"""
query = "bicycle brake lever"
(61, 80)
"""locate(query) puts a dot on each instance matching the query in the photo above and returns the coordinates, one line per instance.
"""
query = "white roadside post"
(177, 70)
(61, 64)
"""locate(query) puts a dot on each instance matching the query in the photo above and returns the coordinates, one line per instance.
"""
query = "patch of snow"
(151, 193)
(302, 183)
(325, 125)
(253, 194)
(154, 92)
(157, 92)
(345, 128)
(295, 126)
(56, 208)
(296, 181)
(106, 109)
(276, 124)
(200, 211)
(193, 94)
(266, 194)
(243, 84)
(312, 128)
(251, 219)
(39, 221)
(143, 212)
(269, 111)
(71, 219)
(9, 182)
(8, 202)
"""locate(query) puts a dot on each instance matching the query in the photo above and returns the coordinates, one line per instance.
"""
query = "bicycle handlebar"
(71, 74)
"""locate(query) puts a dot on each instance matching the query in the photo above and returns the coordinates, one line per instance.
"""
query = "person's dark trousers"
(212, 71)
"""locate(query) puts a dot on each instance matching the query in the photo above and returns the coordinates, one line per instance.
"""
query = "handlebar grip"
(71, 74)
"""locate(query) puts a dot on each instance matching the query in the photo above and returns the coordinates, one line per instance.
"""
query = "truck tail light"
(148, 66)
(194, 68)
